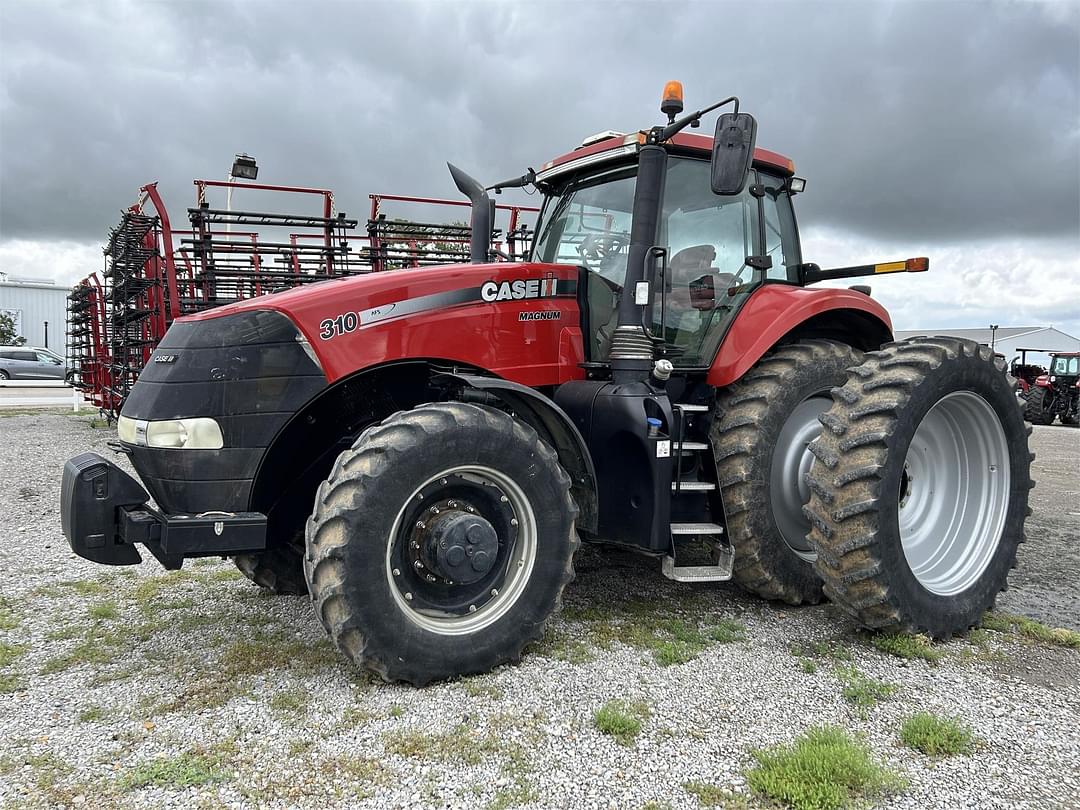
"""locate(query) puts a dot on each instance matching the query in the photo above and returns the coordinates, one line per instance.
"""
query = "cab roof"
(617, 145)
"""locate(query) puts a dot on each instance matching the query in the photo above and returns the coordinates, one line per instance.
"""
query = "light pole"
(243, 168)
(993, 335)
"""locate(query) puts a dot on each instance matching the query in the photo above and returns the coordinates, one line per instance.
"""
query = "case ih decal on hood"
(491, 291)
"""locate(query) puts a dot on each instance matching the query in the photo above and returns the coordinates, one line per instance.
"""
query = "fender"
(551, 422)
(1043, 381)
(774, 311)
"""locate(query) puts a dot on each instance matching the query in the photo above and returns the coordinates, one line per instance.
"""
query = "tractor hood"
(454, 313)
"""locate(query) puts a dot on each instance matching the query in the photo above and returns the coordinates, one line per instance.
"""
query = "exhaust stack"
(483, 214)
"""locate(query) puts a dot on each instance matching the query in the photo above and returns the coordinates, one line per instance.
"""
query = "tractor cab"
(716, 250)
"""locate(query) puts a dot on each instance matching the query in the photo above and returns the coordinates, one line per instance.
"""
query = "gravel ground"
(132, 688)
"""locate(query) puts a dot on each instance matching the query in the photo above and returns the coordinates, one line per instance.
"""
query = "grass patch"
(621, 720)
(808, 665)
(645, 625)
(460, 744)
(861, 690)
(476, 687)
(907, 646)
(293, 701)
(9, 619)
(9, 652)
(10, 682)
(558, 644)
(937, 736)
(86, 587)
(92, 714)
(186, 770)
(713, 796)
(300, 747)
(86, 652)
(150, 590)
(1029, 628)
(824, 769)
(103, 610)
(822, 650)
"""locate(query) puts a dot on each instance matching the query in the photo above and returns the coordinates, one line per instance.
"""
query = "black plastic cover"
(248, 371)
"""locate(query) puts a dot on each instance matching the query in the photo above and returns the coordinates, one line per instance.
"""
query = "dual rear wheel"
(911, 498)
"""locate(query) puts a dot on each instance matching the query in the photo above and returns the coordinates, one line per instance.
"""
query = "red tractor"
(1024, 373)
(1055, 393)
(421, 450)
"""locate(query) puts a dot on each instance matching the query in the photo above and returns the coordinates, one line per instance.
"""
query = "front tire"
(920, 486)
(279, 570)
(441, 543)
(759, 439)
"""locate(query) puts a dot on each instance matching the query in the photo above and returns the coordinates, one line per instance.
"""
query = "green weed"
(713, 796)
(907, 646)
(824, 769)
(621, 720)
(103, 610)
(937, 736)
(186, 770)
(1029, 628)
(862, 691)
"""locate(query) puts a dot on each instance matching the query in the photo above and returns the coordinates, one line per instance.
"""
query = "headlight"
(200, 433)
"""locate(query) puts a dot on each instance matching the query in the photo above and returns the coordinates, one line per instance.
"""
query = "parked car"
(30, 363)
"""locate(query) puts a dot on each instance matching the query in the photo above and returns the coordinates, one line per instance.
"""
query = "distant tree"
(7, 331)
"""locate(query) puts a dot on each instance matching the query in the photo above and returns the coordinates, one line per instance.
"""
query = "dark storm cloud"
(941, 122)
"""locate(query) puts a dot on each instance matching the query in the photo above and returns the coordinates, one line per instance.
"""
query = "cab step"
(720, 571)
(692, 408)
(693, 486)
(704, 529)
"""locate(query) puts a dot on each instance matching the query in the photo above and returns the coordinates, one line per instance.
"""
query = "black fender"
(555, 426)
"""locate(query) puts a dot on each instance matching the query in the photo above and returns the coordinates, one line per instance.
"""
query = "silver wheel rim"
(791, 461)
(519, 567)
(954, 493)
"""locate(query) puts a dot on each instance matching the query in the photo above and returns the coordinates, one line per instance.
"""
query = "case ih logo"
(519, 289)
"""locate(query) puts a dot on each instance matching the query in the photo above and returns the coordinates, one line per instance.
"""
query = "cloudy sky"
(945, 129)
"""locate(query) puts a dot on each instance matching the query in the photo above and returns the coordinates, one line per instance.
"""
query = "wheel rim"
(419, 578)
(791, 461)
(954, 491)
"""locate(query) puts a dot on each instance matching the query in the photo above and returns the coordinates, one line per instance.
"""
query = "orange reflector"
(890, 267)
(917, 265)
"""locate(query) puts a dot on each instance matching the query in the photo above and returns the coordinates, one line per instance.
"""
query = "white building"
(1009, 340)
(39, 309)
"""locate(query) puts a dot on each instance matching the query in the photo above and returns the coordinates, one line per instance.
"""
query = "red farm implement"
(155, 273)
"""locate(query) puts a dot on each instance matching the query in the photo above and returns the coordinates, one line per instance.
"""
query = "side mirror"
(703, 293)
(733, 152)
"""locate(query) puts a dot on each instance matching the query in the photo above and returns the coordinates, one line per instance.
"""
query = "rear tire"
(920, 486)
(419, 476)
(4, 376)
(764, 421)
(1035, 410)
(279, 570)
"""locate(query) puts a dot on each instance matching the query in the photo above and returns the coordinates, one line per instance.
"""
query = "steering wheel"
(598, 247)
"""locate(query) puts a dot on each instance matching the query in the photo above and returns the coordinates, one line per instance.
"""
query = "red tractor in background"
(1024, 373)
(1055, 393)
(422, 450)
